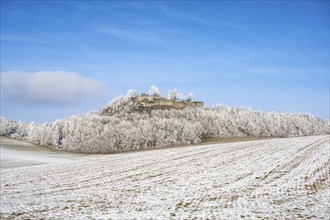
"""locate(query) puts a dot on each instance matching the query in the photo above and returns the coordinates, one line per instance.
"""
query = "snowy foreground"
(268, 179)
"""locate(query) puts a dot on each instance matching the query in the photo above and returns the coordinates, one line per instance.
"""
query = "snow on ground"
(16, 153)
(268, 179)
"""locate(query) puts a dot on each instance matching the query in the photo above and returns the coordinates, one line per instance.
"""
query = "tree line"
(126, 129)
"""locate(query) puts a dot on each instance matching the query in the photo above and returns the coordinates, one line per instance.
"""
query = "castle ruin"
(157, 102)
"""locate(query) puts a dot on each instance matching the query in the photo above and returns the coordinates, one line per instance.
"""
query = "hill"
(122, 125)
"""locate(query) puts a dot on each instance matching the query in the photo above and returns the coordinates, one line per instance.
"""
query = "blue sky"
(60, 58)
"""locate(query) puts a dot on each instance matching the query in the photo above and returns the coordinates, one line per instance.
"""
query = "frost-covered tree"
(154, 91)
(189, 96)
(8, 127)
(174, 95)
(131, 93)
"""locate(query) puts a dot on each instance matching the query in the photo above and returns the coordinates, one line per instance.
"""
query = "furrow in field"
(260, 179)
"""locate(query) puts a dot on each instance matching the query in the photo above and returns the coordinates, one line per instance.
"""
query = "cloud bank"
(48, 88)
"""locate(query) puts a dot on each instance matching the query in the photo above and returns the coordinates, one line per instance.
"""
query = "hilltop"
(145, 102)
(134, 122)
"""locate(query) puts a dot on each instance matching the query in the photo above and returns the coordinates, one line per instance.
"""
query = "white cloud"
(48, 87)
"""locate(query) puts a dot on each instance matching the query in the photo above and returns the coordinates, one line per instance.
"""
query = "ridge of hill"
(127, 129)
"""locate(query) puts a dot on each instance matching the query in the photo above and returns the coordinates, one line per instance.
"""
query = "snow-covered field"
(15, 153)
(268, 179)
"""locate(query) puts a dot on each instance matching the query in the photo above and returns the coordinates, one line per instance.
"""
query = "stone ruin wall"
(158, 102)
